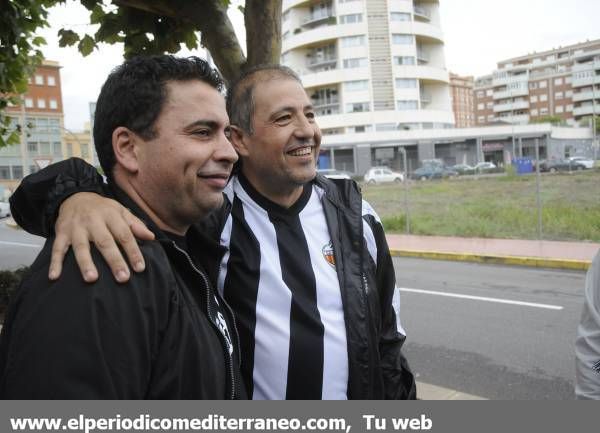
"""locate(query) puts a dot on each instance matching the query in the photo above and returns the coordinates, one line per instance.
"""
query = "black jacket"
(154, 337)
(377, 367)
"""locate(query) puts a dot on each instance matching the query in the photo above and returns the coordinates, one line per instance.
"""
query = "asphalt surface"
(522, 348)
(17, 247)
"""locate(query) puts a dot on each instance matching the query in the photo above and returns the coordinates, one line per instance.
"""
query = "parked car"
(377, 175)
(555, 165)
(463, 169)
(334, 174)
(589, 163)
(482, 167)
(4, 209)
(433, 172)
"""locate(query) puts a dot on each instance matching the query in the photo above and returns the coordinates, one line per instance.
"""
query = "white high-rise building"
(369, 66)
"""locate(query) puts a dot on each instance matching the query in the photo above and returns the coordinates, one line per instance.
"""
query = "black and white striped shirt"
(280, 279)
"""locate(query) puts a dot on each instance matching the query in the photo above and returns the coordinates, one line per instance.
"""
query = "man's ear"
(124, 142)
(239, 140)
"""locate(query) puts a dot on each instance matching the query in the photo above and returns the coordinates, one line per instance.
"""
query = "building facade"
(40, 120)
(461, 91)
(80, 144)
(562, 83)
(370, 67)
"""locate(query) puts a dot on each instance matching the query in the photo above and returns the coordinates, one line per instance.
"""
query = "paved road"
(517, 350)
(17, 247)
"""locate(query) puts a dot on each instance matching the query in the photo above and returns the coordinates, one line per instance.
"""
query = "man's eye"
(227, 132)
(283, 118)
(310, 115)
(202, 132)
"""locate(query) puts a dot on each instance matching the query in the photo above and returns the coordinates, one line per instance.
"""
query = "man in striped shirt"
(308, 271)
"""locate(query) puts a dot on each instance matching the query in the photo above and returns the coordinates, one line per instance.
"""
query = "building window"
(569, 94)
(45, 148)
(28, 102)
(406, 83)
(558, 95)
(543, 111)
(534, 112)
(53, 125)
(32, 147)
(480, 93)
(480, 106)
(353, 41)
(558, 81)
(53, 104)
(85, 150)
(489, 92)
(359, 128)
(569, 107)
(69, 150)
(358, 107)
(568, 80)
(533, 86)
(17, 172)
(533, 99)
(543, 98)
(51, 80)
(41, 103)
(399, 16)
(404, 60)
(543, 84)
(39, 80)
(402, 39)
(489, 105)
(56, 149)
(560, 109)
(481, 119)
(385, 127)
(360, 62)
(490, 118)
(4, 172)
(351, 19)
(407, 105)
(355, 86)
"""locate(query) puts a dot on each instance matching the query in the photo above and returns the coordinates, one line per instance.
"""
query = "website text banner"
(299, 416)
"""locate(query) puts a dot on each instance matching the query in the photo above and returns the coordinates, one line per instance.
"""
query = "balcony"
(588, 95)
(503, 80)
(511, 106)
(319, 18)
(589, 66)
(585, 110)
(585, 81)
(316, 62)
(517, 119)
(421, 12)
(505, 94)
(422, 57)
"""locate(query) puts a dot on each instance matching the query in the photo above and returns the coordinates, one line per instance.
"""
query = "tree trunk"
(263, 31)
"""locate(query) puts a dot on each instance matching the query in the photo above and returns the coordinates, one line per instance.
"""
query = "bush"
(9, 282)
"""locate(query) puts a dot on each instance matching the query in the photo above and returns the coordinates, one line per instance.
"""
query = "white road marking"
(20, 244)
(481, 298)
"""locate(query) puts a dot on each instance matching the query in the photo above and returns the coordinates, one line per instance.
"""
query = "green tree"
(553, 119)
(144, 27)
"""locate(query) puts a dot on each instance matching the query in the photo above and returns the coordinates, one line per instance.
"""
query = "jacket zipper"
(210, 315)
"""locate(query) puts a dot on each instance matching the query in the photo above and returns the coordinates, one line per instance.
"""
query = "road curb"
(11, 223)
(426, 391)
(534, 262)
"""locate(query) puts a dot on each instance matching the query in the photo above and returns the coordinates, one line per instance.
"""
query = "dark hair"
(134, 93)
(240, 97)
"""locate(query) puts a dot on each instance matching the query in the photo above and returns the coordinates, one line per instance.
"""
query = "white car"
(589, 163)
(4, 209)
(484, 166)
(377, 175)
(333, 174)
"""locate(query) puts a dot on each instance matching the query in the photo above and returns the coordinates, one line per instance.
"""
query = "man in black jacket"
(307, 272)
(160, 132)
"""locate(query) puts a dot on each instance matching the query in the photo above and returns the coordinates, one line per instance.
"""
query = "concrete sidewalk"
(543, 254)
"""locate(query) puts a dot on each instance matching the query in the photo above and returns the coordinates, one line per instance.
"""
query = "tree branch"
(210, 17)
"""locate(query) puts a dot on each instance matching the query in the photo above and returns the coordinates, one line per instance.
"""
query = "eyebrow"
(290, 108)
(209, 123)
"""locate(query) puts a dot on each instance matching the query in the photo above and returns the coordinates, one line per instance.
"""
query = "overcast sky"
(477, 33)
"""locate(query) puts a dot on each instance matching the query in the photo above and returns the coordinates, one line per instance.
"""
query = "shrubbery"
(9, 282)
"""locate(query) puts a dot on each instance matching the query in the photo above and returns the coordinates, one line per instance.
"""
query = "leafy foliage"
(20, 53)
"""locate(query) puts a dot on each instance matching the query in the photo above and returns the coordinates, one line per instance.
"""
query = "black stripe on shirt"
(241, 287)
(306, 352)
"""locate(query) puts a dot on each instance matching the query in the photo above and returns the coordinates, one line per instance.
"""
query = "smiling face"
(184, 168)
(280, 155)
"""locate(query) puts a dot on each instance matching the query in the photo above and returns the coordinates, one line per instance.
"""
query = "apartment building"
(373, 66)
(461, 91)
(563, 82)
(40, 120)
(80, 144)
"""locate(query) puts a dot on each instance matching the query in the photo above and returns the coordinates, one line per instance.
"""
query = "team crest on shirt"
(328, 254)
